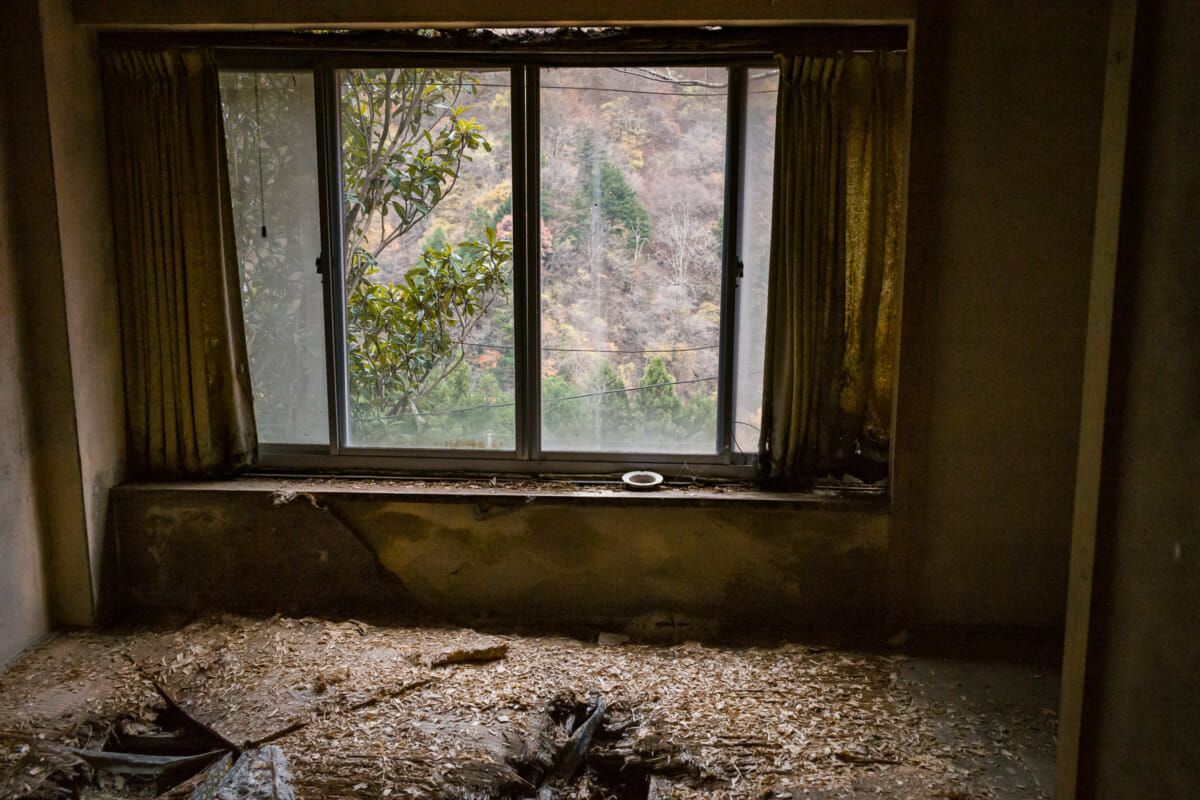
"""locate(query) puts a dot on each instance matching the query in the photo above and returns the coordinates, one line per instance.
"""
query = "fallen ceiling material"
(350, 710)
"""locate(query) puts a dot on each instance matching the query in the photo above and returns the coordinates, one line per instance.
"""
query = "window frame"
(524, 64)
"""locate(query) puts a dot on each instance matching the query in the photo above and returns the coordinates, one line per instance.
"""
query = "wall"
(62, 443)
(1003, 171)
(22, 593)
(75, 105)
(1142, 708)
(51, 450)
(554, 558)
(267, 14)
(1005, 148)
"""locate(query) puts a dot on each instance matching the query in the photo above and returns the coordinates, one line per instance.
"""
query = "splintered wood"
(363, 711)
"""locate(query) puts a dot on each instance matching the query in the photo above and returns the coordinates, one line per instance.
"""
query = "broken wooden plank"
(261, 774)
(138, 764)
(252, 682)
(571, 755)
(178, 708)
(203, 784)
(477, 650)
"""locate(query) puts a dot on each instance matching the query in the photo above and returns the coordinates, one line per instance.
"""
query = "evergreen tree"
(659, 407)
(701, 414)
(615, 415)
(620, 208)
(435, 239)
(561, 419)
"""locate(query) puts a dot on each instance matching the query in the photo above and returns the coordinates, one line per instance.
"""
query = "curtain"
(835, 247)
(188, 399)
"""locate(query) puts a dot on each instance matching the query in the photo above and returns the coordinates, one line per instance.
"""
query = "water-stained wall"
(501, 556)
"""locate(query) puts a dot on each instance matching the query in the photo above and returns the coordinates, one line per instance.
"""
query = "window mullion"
(329, 161)
(730, 260)
(526, 258)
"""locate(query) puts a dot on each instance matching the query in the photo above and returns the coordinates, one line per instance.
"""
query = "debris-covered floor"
(362, 711)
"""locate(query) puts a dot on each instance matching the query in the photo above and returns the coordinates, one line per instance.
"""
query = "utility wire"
(548, 402)
(598, 89)
(487, 346)
(616, 91)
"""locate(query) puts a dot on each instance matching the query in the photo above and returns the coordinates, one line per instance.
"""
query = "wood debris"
(259, 774)
(365, 711)
(475, 650)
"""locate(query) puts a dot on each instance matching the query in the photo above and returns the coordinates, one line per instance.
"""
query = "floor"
(364, 711)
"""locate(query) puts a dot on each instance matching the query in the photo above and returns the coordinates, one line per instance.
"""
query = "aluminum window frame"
(527, 457)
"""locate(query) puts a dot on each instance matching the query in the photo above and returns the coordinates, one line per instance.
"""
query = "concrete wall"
(1006, 121)
(62, 413)
(1144, 655)
(76, 115)
(509, 557)
(24, 615)
(52, 446)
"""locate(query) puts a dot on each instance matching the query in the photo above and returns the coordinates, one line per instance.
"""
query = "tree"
(562, 417)
(613, 406)
(659, 407)
(688, 246)
(404, 138)
(605, 201)
(407, 337)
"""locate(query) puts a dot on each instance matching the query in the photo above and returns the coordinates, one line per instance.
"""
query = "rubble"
(354, 710)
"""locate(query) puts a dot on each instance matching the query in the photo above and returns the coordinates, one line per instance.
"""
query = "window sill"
(514, 492)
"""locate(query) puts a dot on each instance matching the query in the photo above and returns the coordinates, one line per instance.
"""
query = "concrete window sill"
(510, 492)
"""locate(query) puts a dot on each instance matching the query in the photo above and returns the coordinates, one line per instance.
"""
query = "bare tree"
(686, 244)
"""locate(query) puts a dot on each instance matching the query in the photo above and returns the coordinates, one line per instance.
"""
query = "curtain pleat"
(187, 388)
(835, 243)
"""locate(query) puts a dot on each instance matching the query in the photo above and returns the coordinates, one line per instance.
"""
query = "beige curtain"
(835, 245)
(187, 387)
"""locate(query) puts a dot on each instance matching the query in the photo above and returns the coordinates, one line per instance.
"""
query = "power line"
(485, 345)
(638, 91)
(609, 89)
(548, 402)
(675, 350)
(588, 89)
(632, 389)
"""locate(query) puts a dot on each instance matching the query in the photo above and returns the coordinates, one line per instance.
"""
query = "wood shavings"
(364, 711)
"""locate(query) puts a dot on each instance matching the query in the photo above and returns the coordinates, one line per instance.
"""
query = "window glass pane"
(632, 192)
(270, 137)
(756, 246)
(427, 204)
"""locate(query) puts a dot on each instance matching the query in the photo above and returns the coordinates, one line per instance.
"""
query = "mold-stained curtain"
(834, 265)
(188, 400)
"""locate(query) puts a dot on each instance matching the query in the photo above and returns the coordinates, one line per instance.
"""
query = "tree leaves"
(405, 136)
(405, 338)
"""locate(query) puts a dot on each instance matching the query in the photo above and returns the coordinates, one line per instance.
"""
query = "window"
(522, 261)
